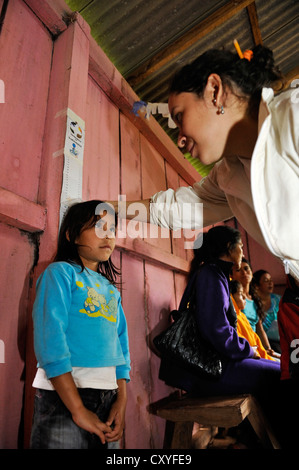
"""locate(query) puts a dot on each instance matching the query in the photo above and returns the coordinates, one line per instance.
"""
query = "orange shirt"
(245, 330)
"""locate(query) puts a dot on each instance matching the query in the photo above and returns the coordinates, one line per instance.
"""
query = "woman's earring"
(220, 110)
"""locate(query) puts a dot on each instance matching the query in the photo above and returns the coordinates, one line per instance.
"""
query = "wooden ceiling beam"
(254, 23)
(291, 76)
(203, 28)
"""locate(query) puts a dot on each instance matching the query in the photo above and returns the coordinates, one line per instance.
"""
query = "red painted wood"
(153, 180)
(19, 212)
(101, 155)
(119, 91)
(17, 256)
(51, 13)
(160, 300)
(22, 116)
(138, 425)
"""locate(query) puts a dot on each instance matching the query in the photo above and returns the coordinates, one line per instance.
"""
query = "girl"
(80, 337)
(254, 307)
(244, 328)
(270, 301)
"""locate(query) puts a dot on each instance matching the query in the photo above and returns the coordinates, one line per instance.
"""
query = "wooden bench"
(181, 412)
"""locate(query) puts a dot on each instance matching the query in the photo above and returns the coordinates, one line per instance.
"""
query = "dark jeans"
(53, 427)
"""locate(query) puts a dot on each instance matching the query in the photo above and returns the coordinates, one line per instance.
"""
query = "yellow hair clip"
(248, 54)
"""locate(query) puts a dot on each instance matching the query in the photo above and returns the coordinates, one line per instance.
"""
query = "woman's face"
(236, 254)
(242, 274)
(266, 284)
(201, 129)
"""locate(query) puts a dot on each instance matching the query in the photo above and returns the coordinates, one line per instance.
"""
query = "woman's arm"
(264, 339)
(84, 418)
(184, 208)
(137, 210)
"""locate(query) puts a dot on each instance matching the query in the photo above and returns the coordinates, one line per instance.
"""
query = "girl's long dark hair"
(218, 241)
(79, 217)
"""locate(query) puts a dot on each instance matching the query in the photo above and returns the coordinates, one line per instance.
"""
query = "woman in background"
(270, 301)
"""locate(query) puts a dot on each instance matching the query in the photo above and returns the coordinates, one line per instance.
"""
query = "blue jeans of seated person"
(53, 426)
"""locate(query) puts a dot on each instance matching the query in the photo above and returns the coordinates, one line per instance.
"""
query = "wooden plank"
(178, 435)
(292, 75)
(261, 426)
(130, 160)
(153, 180)
(52, 14)
(180, 282)
(101, 177)
(17, 257)
(22, 116)
(138, 424)
(18, 212)
(214, 411)
(254, 22)
(177, 236)
(160, 299)
(136, 247)
(122, 95)
(203, 28)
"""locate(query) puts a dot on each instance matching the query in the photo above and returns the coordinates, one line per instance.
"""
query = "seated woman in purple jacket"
(243, 371)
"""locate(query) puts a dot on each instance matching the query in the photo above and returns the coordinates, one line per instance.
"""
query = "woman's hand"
(272, 353)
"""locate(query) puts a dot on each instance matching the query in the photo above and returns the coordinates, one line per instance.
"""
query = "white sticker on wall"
(73, 162)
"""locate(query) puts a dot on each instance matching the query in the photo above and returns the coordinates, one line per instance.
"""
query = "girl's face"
(95, 244)
(243, 274)
(236, 255)
(266, 284)
(201, 128)
(240, 298)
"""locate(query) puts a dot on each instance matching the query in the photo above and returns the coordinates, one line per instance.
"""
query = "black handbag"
(183, 344)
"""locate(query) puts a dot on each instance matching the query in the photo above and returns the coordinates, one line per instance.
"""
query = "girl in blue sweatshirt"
(80, 337)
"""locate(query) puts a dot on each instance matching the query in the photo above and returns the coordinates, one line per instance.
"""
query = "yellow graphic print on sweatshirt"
(95, 304)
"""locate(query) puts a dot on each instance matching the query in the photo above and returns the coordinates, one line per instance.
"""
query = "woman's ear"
(214, 91)
(67, 235)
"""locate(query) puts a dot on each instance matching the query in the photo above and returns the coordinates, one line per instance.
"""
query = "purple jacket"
(212, 300)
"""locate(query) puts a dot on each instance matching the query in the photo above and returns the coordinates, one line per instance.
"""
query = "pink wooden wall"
(123, 155)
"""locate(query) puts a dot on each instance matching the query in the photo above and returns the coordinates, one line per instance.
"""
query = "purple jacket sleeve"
(212, 302)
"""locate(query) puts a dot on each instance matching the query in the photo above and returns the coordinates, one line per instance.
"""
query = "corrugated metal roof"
(133, 32)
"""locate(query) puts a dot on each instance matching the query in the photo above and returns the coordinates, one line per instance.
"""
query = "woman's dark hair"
(234, 286)
(254, 294)
(245, 78)
(79, 217)
(218, 241)
(258, 274)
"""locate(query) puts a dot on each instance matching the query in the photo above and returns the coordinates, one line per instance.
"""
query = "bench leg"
(178, 435)
(261, 426)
